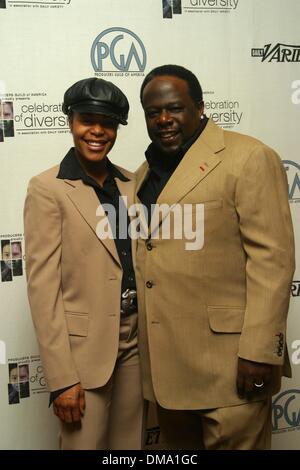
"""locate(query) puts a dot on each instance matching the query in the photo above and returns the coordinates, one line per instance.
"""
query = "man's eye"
(176, 109)
(152, 113)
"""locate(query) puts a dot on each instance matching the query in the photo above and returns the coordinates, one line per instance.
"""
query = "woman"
(78, 276)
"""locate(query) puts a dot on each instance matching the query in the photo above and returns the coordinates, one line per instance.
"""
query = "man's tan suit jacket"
(204, 308)
(74, 280)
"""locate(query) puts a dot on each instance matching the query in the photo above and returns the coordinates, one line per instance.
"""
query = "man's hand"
(69, 406)
(252, 378)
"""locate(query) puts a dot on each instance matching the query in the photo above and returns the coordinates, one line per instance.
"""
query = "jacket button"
(149, 246)
(149, 284)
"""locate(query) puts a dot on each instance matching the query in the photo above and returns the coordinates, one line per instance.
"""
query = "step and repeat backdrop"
(246, 54)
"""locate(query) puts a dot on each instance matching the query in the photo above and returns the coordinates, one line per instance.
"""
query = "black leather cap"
(95, 95)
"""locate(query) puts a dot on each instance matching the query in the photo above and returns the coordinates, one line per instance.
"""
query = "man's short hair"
(178, 71)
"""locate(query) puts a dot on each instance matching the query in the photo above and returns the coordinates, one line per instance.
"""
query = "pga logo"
(296, 94)
(293, 175)
(286, 410)
(118, 49)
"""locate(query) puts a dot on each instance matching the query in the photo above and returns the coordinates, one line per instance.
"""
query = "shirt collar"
(71, 169)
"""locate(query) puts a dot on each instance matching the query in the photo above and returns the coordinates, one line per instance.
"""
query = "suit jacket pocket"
(77, 323)
(225, 319)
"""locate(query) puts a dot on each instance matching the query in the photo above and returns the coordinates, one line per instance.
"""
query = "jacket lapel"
(141, 174)
(86, 202)
(198, 162)
(126, 188)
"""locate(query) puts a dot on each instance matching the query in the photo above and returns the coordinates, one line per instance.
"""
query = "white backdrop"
(45, 46)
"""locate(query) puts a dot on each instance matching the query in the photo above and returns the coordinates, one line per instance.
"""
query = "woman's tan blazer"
(74, 280)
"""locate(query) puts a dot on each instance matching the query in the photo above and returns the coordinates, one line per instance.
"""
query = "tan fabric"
(229, 299)
(114, 413)
(74, 281)
(241, 427)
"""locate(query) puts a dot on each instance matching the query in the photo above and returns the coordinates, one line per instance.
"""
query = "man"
(212, 314)
(16, 250)
(6, 263)
(81, 283)
(23, 373)
(13, 386)
(6, 250)
(167, 9)
(8, 112)
(24, 388)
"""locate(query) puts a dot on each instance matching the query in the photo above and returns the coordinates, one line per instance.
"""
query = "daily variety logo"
(277, 53)
(295, 289)
(286, 411)
(293, 175)
(118, 51)
(177, 7)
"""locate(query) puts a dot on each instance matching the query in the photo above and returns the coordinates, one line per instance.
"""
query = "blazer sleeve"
(43, 245)
(267, 237)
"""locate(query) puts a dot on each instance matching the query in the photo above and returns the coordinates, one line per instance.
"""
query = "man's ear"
(201, 108)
